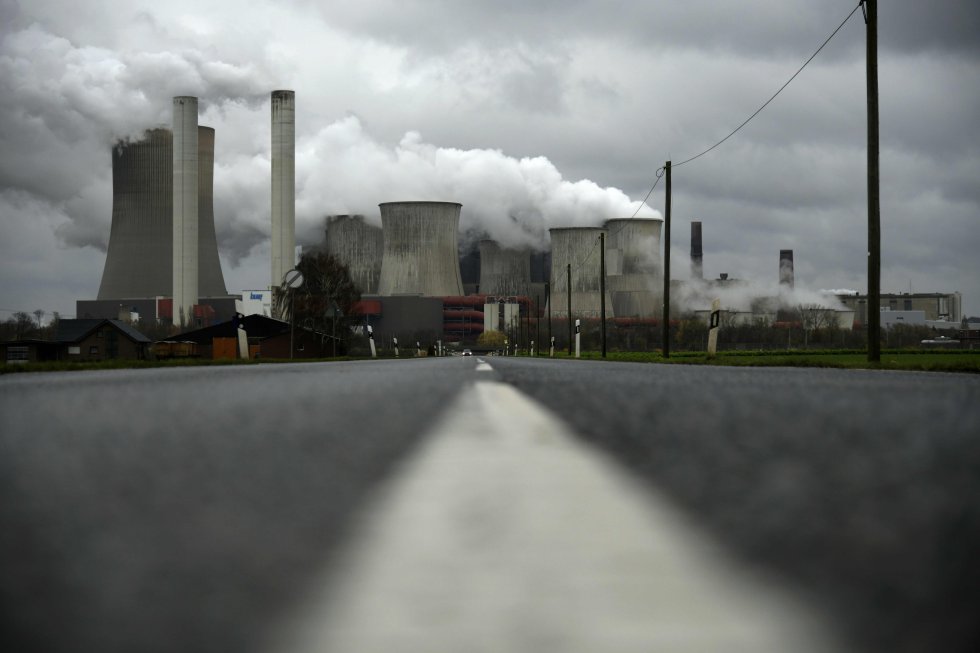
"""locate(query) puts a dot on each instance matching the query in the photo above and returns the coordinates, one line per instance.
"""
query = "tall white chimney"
(185, 223)
(283, 184)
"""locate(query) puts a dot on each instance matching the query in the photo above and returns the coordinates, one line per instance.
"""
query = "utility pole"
(547, 296)
(666, 312)
(568, 283)
(537, 321)
(874, 202)
(602, 291)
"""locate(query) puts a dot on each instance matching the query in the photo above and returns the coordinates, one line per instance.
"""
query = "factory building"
(936, 307)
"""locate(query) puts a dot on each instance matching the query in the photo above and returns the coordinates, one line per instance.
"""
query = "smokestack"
(786, 268)
(697, 256)
(420, 249)
(283, 184)
(185, 209)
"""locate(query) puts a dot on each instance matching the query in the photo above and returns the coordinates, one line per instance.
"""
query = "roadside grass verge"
(891, 359)
(921, 360)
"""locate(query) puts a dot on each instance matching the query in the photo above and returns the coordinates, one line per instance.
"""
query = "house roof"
(76, 330)
(256, 326)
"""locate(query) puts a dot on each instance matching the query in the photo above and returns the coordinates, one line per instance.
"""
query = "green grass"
(924, 360)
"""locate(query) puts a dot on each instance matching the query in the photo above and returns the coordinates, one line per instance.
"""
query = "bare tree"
(324, 301)
(38, 313)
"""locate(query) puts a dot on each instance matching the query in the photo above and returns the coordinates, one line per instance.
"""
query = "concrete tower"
(210, 279)
(578, 246)
(633, 276)
(697, 255)
(786, 268)
(504, 271)
(359, 246)
(283, 184)
(420, 249)
(185, 211)
(139, 261)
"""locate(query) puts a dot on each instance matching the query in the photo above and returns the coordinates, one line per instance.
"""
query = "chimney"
(786, 268)
(697, 257)
(283, 184)
(185, 209)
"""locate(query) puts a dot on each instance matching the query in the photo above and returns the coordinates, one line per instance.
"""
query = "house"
(81, 340)
(267, 338)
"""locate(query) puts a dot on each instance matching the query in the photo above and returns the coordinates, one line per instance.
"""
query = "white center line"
(483, 366)
(505, 532)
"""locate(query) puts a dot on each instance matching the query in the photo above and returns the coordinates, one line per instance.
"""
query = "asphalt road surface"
(220, 509)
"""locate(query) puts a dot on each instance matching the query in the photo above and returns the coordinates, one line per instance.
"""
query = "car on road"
(467, 352)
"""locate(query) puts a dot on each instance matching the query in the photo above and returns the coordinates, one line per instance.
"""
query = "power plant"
(420, 249)
(283, 184)
(162, 259)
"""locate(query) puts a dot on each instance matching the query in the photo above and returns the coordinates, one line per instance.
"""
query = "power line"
(759, 110)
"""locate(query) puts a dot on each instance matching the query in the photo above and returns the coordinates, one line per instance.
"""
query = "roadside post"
(374, 352)
(551, 352)
(578, 338)
(713, 328)
(394, 340)
(532, 348)
(239, 321)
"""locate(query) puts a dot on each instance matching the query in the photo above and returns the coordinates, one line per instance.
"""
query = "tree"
(491, 339)
(38, 313)
(325, 300)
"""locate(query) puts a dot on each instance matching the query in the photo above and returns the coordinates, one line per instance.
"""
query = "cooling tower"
(633, 276)
(283, 184)
(185, 214)
(359, 246)
(697, 255)
(420, 249)
(578, 246)
(786, 268)
(139, 261)
(504, 271)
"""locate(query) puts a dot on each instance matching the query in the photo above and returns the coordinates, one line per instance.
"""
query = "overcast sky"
(531, 114)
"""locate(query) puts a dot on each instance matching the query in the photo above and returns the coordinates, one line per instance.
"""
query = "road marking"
(505, 532)
(483, 366)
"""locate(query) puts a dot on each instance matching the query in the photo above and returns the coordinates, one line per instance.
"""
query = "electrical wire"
(759, 110)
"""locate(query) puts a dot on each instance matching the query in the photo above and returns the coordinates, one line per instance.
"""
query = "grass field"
(923, 360)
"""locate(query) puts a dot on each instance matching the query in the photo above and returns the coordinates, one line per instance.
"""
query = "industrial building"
(936, 307)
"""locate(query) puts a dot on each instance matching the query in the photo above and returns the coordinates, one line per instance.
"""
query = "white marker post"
(578, 338)
(374, 352)
(240, 328)
(394, 341)
(713, 328)
(418, 349)
(532, 348)
(506, 347)
(551, 352)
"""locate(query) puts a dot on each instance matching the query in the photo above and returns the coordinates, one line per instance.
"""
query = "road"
(201, 509)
